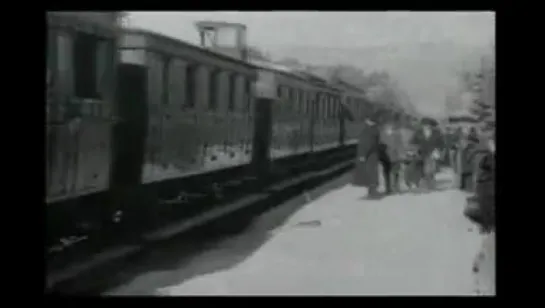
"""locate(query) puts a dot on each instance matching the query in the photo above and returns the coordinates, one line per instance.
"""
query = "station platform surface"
(333, 241)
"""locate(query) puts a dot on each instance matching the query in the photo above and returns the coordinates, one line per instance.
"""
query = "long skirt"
(430, 166)
(366, 173)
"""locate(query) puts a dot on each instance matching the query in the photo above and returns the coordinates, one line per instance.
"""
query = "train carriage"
(200, 106)
(291, 115)
(299, 105)
(80, 105)
(128, 107)
(326, 114)
(355, 100)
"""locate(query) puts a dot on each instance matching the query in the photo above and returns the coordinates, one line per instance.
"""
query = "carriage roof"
(134, 38)
(96, 23)
(295, 73)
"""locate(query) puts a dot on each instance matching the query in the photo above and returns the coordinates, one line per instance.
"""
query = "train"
(129, 108)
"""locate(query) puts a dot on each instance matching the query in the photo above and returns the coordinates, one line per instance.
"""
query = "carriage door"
(130, 132)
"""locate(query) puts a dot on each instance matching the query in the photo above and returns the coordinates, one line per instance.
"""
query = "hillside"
(427, 71)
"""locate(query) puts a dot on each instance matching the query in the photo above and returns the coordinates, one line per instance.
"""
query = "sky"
(341, 29)
(351, 30)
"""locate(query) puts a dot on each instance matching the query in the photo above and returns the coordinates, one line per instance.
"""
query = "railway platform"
(332, 241)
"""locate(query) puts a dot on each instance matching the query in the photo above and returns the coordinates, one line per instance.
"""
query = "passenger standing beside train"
(367, 158)
(429, 143)
(452, 145)
(391, 155)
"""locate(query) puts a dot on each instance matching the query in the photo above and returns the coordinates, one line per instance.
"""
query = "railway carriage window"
(331, 106)
(291, 95)
(156, 74)
(314, 105)
(326, 106)
(318, 106)
(51, 55)
(321, 106)
(85, 65)
(334, 107)
(231, 87)
(248, 96)
(213, 84)
(190, 83)
(176, 80)
(301, 101)
(166, 80)
(105, 61)
(65, 67)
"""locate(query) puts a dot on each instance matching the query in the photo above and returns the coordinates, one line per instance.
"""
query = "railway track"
(219, 205)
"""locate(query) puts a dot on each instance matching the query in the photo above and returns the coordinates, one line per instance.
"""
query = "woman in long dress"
(367, 158)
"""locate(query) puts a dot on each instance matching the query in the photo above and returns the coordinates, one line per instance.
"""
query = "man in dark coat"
(429, 142)
(453, 145)
(367, 160)
(470, 154)
(391, 154)
(485, 185)
(484, 198)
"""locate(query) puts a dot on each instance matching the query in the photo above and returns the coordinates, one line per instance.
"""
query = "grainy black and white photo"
(224, 153)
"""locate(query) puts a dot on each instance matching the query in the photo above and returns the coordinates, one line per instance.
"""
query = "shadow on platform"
(440, 185)
(206, 253)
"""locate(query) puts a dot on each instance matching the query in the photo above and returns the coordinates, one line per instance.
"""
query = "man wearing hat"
(367, 157)
(391, 154)
(429, 142)
(481, 206)
(470, 152)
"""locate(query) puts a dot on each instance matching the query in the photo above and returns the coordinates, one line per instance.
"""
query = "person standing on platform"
(485, 183)
(391, 154)
(469, 153)
(429, 142)
(367, 158)
(453, 146)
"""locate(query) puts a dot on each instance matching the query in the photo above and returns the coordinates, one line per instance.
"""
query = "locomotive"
(128, 108)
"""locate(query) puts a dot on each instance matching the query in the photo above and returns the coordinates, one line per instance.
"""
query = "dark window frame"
(190, 83)
(213, 87)
(85, 65)
(232, 89)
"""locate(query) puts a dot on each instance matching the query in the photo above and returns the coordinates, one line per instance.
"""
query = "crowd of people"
(413, 155)
(403, 153)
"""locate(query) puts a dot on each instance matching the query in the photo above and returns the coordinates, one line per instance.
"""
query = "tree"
(379, 86)
(256, 54)
(481, 83)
